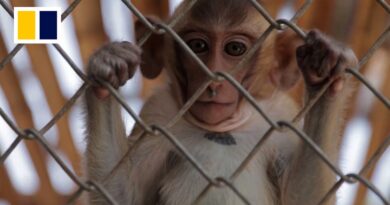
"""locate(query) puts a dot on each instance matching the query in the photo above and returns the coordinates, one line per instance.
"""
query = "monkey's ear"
(286, 73)
(152, 60)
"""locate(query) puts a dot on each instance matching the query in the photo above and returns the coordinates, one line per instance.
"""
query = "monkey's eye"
(198, 46)
(235, 48)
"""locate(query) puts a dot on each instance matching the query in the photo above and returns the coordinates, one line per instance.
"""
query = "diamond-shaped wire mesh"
(275, 126)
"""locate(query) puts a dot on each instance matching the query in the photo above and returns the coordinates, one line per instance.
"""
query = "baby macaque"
(221, 127)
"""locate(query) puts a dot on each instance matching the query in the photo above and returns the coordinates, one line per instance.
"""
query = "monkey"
(220, 128)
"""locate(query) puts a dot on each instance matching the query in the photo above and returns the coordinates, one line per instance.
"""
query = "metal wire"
(275, 126)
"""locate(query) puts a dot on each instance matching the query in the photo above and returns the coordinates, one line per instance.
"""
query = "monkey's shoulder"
(160, 107)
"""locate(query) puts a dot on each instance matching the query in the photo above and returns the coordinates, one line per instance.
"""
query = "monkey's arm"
(106, 137)
(308, 178)
(106, 144)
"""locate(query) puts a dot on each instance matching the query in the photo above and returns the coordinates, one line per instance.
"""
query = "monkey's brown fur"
(220, 32)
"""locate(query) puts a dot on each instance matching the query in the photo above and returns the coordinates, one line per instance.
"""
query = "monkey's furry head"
(210, 13)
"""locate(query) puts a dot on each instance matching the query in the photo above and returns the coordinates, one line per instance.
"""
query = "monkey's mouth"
(214, 103)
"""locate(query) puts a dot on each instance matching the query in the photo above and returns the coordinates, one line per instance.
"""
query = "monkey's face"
(220, 49)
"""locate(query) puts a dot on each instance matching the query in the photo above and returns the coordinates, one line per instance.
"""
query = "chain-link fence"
(275, 126)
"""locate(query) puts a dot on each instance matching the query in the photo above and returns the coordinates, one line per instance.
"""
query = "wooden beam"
(319, 15)
(274, 6)
(343, 16)
(9, 82)
(89, 27)
(379, 118)
(159, 8)
(370, 21)
(44, 70)
(7, 191)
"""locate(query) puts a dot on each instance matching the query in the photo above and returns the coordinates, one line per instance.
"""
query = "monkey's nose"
(212, 92)
(213, 89)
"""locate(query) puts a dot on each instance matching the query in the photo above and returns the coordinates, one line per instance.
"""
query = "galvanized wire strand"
(11, 124)
(185, 153)
(9, 150)
(265, 14)
(234, 189)
(73, 198)
(375, 157)
(188, 50)
(252, 51)
(68, 105)
(370, 186)
(98, 188)
(381, 97)
(35, 135)
(7, 8)
(385, 5)
(142, 18)
(243, 164)
(214, 182)
(377, 44)
(260, 40)
(187, 105)
(293, 26)
(70, 9)
(72, 64)
(114, 93)
(308, 141)
(126, 156)
(248, 97)
(153, 28)
(301, 11)
(7, 59)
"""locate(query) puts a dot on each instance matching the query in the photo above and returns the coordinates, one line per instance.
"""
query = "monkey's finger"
(329, 62)
(131, 47)
(118, 70)
(124, 51)
(111, 77)
(316, 57)
(132, 59)
(101, 93)
(97, 67)
(121, 70)
(309, 72)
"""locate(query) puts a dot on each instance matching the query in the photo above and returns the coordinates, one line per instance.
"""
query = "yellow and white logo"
(36, 25)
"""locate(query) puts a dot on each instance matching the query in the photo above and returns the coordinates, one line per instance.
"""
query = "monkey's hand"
(321, 60)
(114, 63)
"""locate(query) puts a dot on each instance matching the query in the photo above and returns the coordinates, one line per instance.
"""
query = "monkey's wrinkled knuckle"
(93, 65)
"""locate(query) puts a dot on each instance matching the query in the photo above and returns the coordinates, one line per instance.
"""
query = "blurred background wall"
(38, 83)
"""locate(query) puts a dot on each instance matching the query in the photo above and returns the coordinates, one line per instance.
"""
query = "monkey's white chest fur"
(183, 183)
(180, 183)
